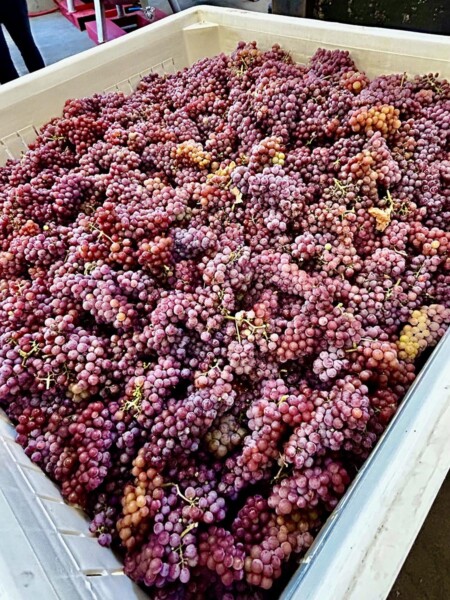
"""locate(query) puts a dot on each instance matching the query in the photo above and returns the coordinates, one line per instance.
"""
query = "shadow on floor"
(426, 572)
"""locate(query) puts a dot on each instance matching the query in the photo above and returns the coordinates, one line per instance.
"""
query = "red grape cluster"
(324, 483)
(214, 294)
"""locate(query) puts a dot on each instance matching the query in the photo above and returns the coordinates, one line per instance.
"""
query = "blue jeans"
(14, 17)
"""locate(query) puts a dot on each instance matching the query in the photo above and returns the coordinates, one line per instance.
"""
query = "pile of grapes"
(214, 294)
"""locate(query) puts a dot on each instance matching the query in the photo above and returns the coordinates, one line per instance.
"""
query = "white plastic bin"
(46, 551)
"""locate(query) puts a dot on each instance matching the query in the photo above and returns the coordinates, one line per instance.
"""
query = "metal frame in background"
(100, 18)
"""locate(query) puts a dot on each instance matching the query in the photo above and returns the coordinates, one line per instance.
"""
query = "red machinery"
(109, 19)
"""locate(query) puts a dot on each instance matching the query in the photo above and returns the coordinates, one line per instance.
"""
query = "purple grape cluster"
(214, 294)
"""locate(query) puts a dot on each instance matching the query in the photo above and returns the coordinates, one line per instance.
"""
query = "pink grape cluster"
(214, 294)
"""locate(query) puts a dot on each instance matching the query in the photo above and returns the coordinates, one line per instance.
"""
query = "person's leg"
(16, 21)
(7, 69)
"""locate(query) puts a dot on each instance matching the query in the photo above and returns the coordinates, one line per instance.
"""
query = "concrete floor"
(426, 572)
(56, 38)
